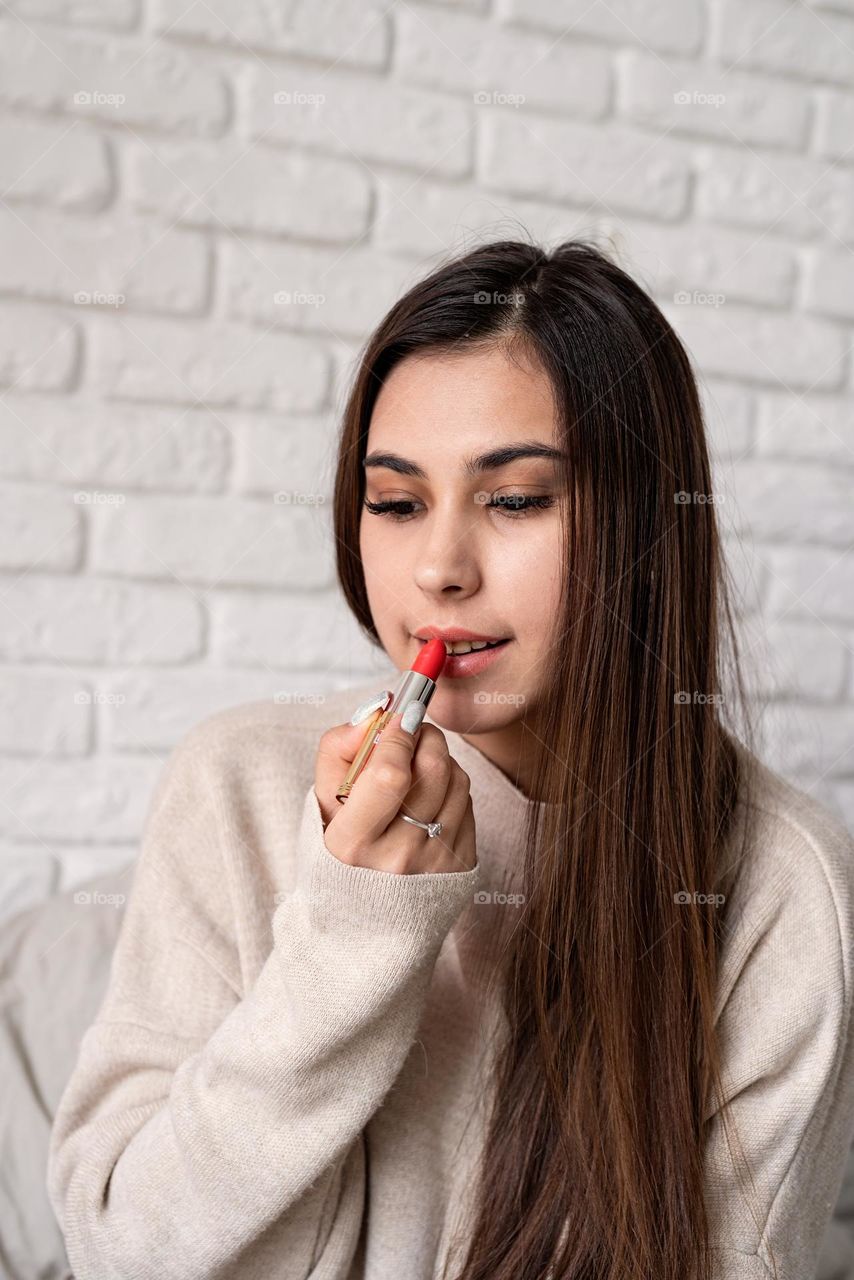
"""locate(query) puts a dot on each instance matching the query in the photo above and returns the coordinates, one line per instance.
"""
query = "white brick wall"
(178, 180)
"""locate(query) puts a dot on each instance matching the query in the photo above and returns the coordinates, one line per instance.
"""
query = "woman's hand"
(408, 774)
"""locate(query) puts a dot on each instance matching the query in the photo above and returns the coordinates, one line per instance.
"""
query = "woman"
(600, 1025)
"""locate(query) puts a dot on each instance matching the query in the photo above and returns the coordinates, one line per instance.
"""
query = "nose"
(447, 562)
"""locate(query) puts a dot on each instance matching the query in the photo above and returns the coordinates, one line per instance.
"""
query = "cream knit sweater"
(287, 1075)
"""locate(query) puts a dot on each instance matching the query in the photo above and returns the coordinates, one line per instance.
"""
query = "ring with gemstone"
(432, 828)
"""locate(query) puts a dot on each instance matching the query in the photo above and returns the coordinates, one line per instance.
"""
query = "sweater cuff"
(340, 895)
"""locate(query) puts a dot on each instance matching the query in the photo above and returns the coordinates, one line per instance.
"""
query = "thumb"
(397, 741)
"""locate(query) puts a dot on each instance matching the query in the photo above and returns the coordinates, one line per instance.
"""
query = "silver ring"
(432, 828)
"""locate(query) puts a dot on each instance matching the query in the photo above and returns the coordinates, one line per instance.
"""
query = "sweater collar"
(500, 812)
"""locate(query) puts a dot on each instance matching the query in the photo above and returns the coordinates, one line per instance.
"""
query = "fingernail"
(412, 716)
(367, 708)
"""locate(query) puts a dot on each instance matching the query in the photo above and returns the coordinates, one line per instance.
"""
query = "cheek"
(527, 574)
(380, 566)
(378, 536)
(372, 546)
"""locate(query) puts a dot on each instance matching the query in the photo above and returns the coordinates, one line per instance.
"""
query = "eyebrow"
(473, 466)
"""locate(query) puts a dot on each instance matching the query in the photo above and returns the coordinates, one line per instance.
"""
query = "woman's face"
(463, 551)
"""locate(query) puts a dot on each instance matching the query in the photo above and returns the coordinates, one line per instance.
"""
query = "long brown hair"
(610, 1071)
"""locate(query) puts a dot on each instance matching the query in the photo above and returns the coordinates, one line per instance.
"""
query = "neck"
(505, 748)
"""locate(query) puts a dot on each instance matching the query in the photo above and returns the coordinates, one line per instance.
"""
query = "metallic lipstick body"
(415, 685)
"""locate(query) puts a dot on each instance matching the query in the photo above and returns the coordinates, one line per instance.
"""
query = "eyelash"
(511, 506)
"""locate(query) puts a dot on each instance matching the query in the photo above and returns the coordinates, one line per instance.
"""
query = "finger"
(377, 793)
(450, 808)
(453, 849)
(339, 745)
(377, 701)
(431, 775)
(465, 847)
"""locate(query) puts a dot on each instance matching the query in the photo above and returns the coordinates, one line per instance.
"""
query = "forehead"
(476, 396)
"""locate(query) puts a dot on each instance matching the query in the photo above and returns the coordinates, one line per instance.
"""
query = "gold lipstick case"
(412, 687)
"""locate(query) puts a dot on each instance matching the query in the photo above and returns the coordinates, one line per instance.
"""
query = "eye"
(512, 505)
(519, 504)
(398, 509)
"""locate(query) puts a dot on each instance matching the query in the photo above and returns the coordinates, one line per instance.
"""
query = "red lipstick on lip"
(431, 660)
(465, 664)
(415, 685)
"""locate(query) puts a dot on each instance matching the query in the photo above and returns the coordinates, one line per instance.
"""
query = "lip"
(451, 634)
(458, 665)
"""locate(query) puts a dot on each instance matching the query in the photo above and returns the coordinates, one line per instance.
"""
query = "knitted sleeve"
(788, 1059)
(211, 1131)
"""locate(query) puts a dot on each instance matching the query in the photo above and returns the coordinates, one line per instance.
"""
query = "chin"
(455, 708)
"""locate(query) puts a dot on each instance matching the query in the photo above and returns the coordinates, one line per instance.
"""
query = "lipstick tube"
(415, 685)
